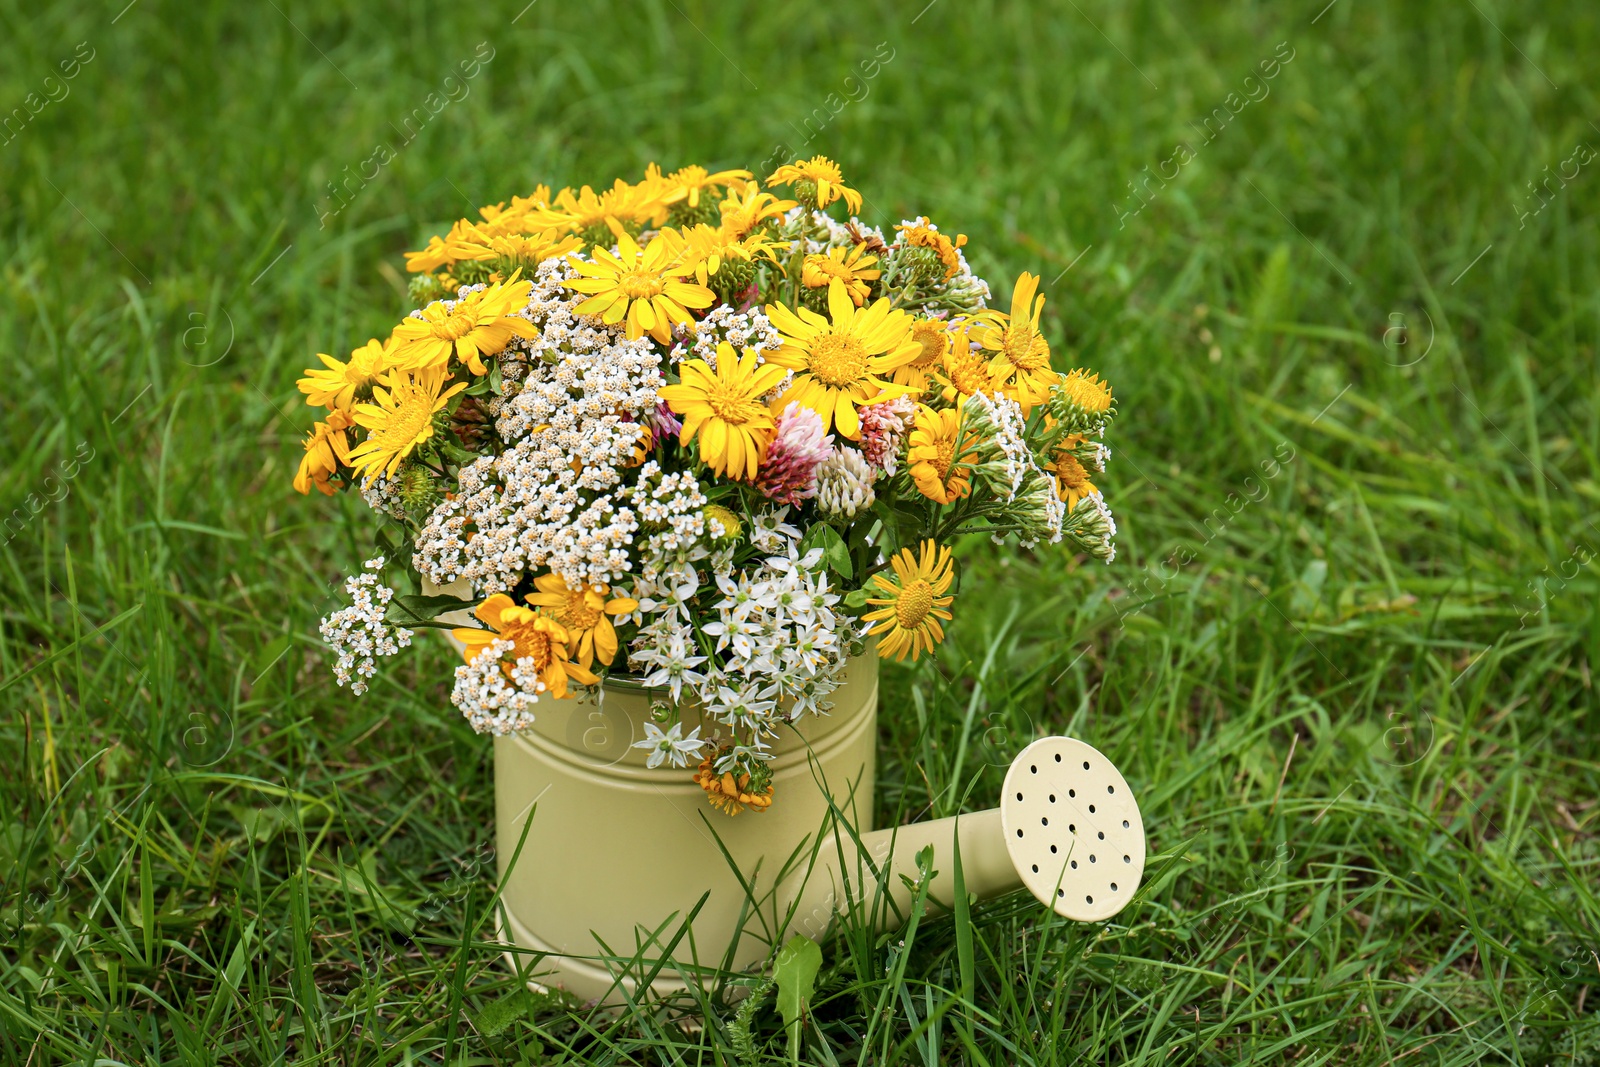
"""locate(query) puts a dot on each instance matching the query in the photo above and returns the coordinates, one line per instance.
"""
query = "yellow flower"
(400, 419)
(1072, 480)
(706, 248)
(925, 236)
(840, 363)
(645, 285)
(686, 183)
(963, 371)
(913, 602)
(327, 448)
(587, 210)
(745, 209)
(724, 407)
(582, 611)
(850, 266)
(1085, 389)
(480, 324)
(824, 173)
(497, 221)
(934, 450)
(478, 243)
(933, 337)
(729, 792)
(1021, 365)
(335, 385)
(537, 636)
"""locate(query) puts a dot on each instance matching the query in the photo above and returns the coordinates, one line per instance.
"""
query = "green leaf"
(414, 609)
(856, 598)
(233, 973)
(834, 552)
(795, 972)
(501, 1013)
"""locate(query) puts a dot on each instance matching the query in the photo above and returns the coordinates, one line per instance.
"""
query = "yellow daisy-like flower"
(1021, 364)
(574, 213)
(686, 183)
(1085, 389)
(480, 324)
(934, 451)
(1072, 479)
(745, 209)
(963, 370)
(840, 364)
(647, 286)
(327, 449)
(400, 418)
(537, 636)
(913, 602)
(852, 266)
(497, 221)
(479, 243)
(925, 236)
(724, 407)
(707, 248)
(335, 384)
(824, 174)
(933, 338)
(731, 793)
(582, 611)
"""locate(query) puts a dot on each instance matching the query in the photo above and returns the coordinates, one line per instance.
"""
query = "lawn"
(1350, 308)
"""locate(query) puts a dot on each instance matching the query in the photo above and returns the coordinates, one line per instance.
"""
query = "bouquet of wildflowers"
(700, 432)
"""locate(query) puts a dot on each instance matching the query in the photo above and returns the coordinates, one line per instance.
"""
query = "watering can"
(608, 866)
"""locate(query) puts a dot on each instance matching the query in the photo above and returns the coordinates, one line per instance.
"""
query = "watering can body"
(612, 856)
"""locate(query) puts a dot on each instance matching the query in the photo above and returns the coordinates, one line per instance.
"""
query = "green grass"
(1356, 696)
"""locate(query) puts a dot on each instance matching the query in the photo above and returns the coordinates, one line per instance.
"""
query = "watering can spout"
(1067, 829)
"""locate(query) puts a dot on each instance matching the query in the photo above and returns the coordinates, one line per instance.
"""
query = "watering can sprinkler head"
(1067, 829)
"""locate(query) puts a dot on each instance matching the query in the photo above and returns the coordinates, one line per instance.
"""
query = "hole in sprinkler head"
(1127, 859)
(1072, 792)
(1058, 757)
(1091, 857)
(1044, 822)
(1111, 789)
(1019, 831)
(1124, 824)
(1035, 868)
(1061, 892)
(1113, 887)
(1102, 835)
(1052, 798)
(1072, 828)
(1088, 900)
(1091, 809)
(1019, 796)
(1053, 852)
(1033, 770)
(1074, 864)
(1085, 764)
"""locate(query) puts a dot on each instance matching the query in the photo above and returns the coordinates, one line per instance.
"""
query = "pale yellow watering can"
(613, 856)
